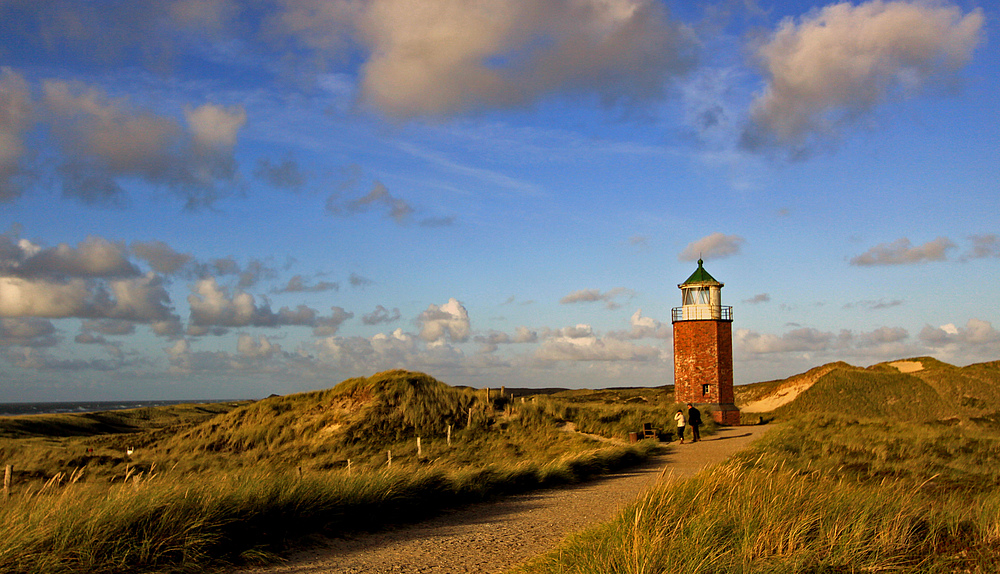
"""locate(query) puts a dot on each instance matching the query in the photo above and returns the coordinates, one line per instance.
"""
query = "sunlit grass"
(893, 500)
(153, 522)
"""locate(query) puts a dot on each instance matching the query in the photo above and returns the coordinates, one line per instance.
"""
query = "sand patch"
(783, 396)
(908, 366)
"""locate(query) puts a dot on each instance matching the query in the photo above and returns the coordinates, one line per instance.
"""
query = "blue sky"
(223, 199)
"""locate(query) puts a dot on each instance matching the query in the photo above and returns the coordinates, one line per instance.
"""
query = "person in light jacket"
(679, 419)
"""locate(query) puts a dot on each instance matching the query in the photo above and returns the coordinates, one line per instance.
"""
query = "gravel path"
(497, 536)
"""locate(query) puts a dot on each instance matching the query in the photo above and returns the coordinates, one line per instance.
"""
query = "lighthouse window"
(696, 297)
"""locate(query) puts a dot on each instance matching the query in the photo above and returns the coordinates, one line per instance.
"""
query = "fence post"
(348, 467)
(8, 475)
(469, 424)
(420, 452)
(390, 459)
(449, 435)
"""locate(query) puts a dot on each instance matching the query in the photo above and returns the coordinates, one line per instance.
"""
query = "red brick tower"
(703, 348)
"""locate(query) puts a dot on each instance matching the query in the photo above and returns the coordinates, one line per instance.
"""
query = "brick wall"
(703, 355)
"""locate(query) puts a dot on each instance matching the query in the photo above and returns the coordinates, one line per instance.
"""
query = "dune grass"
(258, 478)
(821, 494)
(152, 523)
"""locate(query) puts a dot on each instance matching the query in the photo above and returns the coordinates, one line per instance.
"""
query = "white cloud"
(882, 336)
(524, 335)
(214, 128)
(183, 360)
(212, 305)
(260, 349)
(447, 322)
(160, 256)
(397, 209)
(902, 252)
(592, 295)
(579, 343)
(835, 66)
(804, 339)
(644, 327)
(104, 141)
(27, 298)
(397, 343)
(297, 284)
(381, 315)
(93, 257)
(984, 245)
(326, 326)
(977, 332)
(450, 57)
(714, 246)
(141, 299)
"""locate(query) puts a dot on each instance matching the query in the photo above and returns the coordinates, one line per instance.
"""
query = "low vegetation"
(152, 522)
(843, 485)
(917, 390)
(883, 469)
(250, 480)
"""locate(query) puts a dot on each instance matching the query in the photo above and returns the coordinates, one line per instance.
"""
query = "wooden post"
(420, 451)
(503, 391)
(469, 424)
(390, 459)
(8, 475)
(449, 435)
(348, 467)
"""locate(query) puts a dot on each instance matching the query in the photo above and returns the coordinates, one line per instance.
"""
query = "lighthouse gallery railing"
(701, 313)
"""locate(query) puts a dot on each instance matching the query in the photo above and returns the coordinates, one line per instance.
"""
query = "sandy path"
(497, 536)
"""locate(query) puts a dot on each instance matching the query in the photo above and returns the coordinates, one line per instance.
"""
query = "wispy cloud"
(714, 246)
(592, 295)
(903, 252)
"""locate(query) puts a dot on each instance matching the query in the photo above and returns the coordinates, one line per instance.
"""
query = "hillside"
(920, 388)
(355, 418)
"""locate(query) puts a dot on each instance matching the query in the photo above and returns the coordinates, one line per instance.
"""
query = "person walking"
(694, 420)
(679, 419)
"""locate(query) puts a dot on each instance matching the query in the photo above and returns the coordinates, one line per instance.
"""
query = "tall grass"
(824, 494)
(256, 478)
(731, 521)
(149, 523)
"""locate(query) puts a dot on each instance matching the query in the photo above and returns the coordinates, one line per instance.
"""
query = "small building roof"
(700, 277)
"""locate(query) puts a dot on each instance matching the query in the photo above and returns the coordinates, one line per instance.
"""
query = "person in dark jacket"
(694, 421)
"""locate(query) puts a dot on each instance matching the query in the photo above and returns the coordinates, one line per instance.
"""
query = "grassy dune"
(935, 391)
(153, 523)
(820, 494)
(251, 480)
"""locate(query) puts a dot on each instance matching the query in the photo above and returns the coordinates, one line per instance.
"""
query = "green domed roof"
(700, 277)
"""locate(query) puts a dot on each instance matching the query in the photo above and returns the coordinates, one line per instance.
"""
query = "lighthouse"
(703, 348)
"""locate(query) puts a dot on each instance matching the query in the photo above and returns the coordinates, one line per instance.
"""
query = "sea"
(14, 409)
